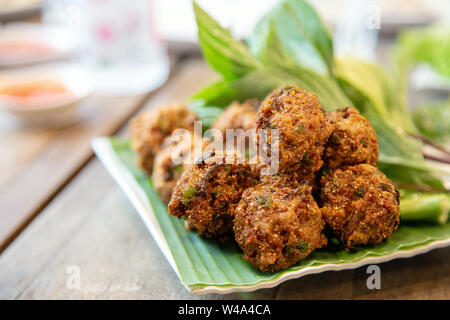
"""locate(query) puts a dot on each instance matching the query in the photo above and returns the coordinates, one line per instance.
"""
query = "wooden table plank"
(426, 276)
(36, 164)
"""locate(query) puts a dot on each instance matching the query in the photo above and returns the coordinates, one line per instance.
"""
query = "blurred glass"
(117, 42)
(356, 30)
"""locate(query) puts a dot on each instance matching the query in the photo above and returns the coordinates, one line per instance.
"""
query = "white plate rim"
(104, 151)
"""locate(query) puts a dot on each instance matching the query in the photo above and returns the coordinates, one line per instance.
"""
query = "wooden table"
(59, 208)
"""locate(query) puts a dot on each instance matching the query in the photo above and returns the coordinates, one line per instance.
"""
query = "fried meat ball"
(278, 223)
(207, 194)
(149, 128)
(237, 116)
(359, 204)
(302, 177)
(166, 169)
(303, 129)
(352, 141)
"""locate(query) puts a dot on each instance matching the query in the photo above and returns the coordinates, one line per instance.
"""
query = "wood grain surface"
(91, 225)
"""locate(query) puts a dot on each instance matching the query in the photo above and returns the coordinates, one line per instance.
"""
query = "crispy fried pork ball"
(303, 129)
(359, 204)
(175, 156)
(149, 128)
(207, 194)
(302, 177)
(237, 116)
(278, 223)
(352, 141)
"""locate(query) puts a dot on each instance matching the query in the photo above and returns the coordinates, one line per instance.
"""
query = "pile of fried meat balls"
(327, 181)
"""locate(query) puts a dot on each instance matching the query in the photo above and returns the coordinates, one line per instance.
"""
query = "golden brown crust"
(208, 193)
(352, 141)
(278, 223)
(301, 177)
(302, 126)
(166, 172)
(360, 204)
(149, 128)
(237, 116)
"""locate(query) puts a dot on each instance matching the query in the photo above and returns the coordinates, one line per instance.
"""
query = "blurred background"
(55, 53)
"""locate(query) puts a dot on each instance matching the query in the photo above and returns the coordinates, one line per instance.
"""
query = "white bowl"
(57, 114)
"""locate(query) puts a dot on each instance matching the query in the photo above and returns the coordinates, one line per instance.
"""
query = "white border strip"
(103, 149)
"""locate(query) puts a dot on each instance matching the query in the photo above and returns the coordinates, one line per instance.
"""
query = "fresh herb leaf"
(302, 245)
(430, 45)
(189, 195)
(226, 55)
(433, 120)
(373, 90)
(265, 201)
(360, 192)
(276, 67)
(301, 32)
(300, 128)
(274, 56)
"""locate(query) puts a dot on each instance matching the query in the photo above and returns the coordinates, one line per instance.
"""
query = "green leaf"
(255, 84)
(365, 78)
(433, 120)
(302, 35)
(189, 195)
(430, 45)
(202, 262)
(258, 83)
(411, 176)
(206, 113)
(219, 93)
(274, 56)
(226, 55)
(279, 67)
(374, 90)
(401, 158)
(393, 141)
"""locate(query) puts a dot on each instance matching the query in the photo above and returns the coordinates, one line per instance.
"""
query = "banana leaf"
(201, 262)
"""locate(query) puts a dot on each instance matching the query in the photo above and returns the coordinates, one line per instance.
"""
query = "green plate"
(206, 266)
